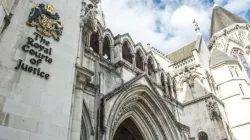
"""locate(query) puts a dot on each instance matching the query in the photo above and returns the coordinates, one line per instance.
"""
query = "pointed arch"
(142, 104)
(109, 34)
(127, 37)
(86, 124)
(152, 58)
(139, 47)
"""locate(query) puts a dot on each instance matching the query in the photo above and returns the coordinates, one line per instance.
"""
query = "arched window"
(106, 48)
(139, 60)
(94, 42)
(202, 136)
(150, 67)
(237, 53)
(163, 81)
(126, 54)
(169, 87)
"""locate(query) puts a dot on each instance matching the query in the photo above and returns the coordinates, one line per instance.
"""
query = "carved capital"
(83, 76)
(213, 110)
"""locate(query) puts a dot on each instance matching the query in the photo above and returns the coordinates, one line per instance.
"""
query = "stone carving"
(214, 111)
(46, 21)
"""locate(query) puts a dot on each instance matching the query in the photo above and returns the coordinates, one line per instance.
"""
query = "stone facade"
(106, 87)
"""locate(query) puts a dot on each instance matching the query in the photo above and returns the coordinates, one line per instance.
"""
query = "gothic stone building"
(65, 76)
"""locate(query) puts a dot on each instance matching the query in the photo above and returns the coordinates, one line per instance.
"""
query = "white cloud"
(174, 24)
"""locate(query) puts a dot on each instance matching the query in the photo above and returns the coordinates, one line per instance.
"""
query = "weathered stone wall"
(197, 116)
(31, 107)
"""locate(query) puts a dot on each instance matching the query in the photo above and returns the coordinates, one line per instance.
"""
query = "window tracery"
(202, 136)
(237, 53)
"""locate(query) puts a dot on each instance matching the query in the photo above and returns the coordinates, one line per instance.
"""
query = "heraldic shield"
(46, 21)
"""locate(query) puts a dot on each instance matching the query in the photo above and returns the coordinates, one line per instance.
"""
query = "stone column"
(81, 81)
(146, 66)
(79, 50)
(100, 46)
(165, 88)
(133, 59)
(112, 53)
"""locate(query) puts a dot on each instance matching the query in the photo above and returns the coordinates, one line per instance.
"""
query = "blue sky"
(165, 24)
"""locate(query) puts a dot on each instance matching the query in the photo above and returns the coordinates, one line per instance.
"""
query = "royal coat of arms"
(46, 21)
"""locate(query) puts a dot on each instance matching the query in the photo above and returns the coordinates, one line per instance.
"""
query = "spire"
(222, 18)
(196, 27)
(214, 5)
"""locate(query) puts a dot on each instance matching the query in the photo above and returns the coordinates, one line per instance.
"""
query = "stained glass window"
(241, 56)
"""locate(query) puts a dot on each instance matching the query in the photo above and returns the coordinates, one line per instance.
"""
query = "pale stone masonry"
(85, 83)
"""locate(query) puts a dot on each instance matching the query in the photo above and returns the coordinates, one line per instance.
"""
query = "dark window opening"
(163, 81)
(126, 54)
(106, 48)
(150, 68)
(169, 87)
(139, 60)
(94, 42)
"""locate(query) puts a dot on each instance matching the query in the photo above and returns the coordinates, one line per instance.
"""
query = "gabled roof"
(218, 57)
(222, 18)
(181, 53)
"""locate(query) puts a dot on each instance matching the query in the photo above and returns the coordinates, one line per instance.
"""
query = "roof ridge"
(222, 18)
(181, 47)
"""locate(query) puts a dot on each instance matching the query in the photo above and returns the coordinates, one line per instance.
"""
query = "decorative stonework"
(213, 110)
(46, 21)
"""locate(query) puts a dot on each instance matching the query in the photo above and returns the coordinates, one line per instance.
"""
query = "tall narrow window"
(139, 60)
(230, 69)
(242, 58)
(126, 54)
(106, 48)
(242, 92)
(94, 42)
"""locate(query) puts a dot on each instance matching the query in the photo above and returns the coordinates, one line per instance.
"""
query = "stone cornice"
(232, 80)
(84, 70)
(200, 99)
(228, 62)
(129, 67)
